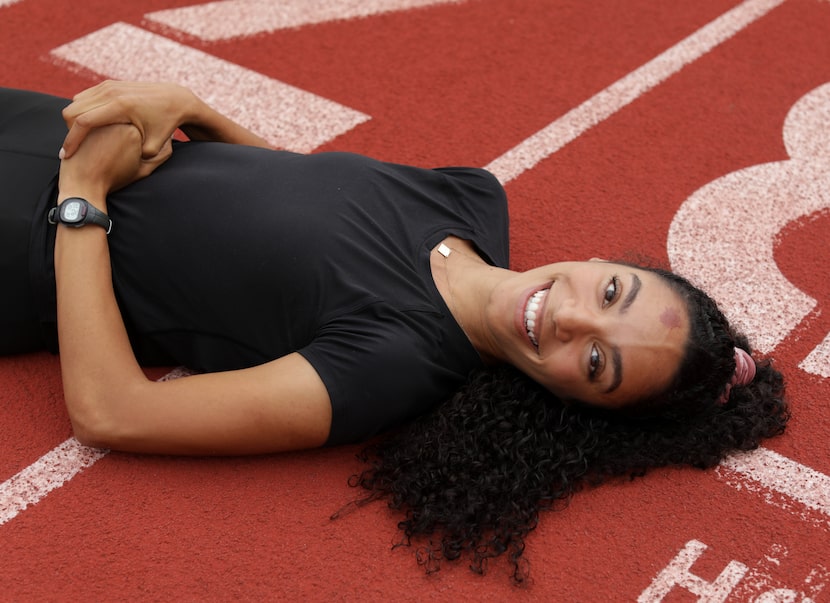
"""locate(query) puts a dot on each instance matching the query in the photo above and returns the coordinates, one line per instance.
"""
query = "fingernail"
(61, 154)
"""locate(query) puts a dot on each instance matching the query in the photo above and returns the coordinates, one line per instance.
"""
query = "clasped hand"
(119, 132)
(109, 159)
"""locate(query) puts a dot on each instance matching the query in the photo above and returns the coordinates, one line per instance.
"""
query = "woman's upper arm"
(278, 406)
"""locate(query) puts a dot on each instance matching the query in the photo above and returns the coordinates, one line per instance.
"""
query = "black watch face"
(72, 212)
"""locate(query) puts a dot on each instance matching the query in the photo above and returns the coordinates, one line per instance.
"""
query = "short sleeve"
(383, 367)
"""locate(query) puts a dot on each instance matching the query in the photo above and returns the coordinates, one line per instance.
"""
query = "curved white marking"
(723, 235)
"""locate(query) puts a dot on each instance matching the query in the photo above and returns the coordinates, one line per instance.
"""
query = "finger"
(83, 102)
(92, 90)
(102, 90)
(96, 117)
(73, 140)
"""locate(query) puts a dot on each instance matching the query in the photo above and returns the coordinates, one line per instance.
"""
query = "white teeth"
(533, 304)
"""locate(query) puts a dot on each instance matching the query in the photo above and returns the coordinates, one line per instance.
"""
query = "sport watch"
(77, 212)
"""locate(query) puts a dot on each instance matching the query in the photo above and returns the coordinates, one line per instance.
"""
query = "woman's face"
(603, 333)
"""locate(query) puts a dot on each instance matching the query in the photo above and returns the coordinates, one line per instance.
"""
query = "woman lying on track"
(327, 298)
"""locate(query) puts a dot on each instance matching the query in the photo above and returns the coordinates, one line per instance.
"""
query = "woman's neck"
(465, 281)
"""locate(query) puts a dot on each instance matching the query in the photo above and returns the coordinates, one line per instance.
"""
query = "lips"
(532, 315)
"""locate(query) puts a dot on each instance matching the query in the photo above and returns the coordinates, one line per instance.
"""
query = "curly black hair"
(472, 477)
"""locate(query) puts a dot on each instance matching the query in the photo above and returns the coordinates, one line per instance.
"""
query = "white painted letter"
(678, 573)
(781, 595)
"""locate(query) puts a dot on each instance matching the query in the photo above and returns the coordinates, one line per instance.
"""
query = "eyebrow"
(616, 355)
(632, 294)
(616, 363)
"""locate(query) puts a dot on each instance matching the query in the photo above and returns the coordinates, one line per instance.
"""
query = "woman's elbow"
(91, 424)
(89, 437)
(98, 418)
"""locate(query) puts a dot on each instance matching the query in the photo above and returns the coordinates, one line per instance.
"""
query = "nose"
(573, 319)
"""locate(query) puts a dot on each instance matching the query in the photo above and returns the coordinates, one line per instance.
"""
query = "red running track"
(619, 128)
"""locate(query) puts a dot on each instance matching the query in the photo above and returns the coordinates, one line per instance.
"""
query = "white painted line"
(49, 472)
(619, 94)
(53, 470)
(236, 18)
(285, 116)
(785, 476)
(817, 362)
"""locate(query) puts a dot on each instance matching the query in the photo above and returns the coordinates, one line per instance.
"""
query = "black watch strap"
(77, 212)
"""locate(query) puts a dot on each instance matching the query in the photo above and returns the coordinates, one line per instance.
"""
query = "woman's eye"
(594, 362)
(611, 291)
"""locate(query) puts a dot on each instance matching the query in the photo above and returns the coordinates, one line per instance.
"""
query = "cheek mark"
(670, 318)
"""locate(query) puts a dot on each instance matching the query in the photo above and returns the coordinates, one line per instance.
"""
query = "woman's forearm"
(99, 369)
(97, 362)
(202, 122)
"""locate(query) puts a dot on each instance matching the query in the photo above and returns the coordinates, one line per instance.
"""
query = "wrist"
(76, 212)
(193, 110)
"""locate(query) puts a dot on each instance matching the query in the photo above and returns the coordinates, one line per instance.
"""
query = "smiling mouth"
(533, 316)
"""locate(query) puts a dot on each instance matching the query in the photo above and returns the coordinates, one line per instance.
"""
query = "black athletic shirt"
(232, 256)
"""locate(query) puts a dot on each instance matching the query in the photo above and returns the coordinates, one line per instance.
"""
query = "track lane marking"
(286, 116)
(783, 475)
(53, 470)
(238, 18)
(765, 470)
(49, 472)
(817, 362)
(604, 104)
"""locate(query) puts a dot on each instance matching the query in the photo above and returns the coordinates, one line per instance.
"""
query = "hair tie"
(744, 373)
